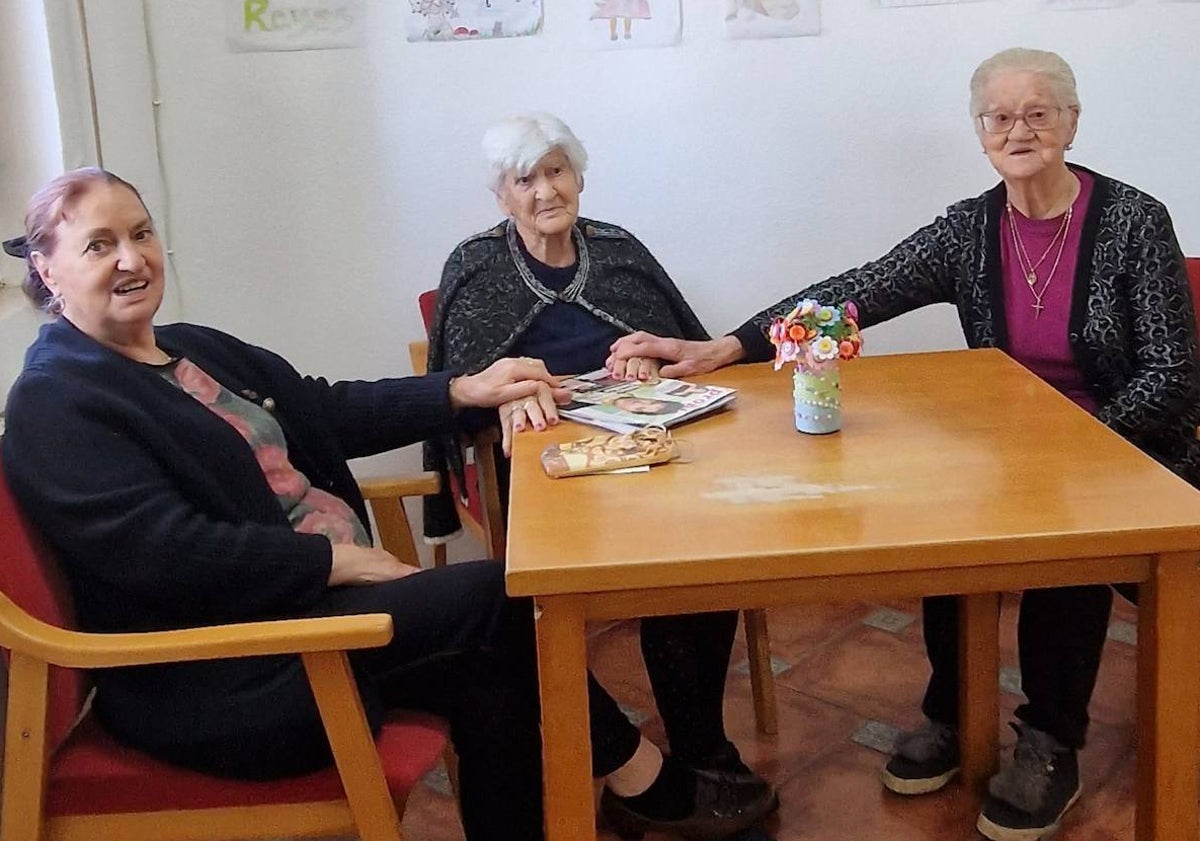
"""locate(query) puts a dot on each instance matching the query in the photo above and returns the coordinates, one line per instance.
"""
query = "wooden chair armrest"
(417, 484)
(24, 634)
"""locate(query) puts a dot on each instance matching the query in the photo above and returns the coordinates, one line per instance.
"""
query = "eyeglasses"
(1039, 118)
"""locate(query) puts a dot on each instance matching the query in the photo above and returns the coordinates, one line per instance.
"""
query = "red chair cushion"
(93, 774)
(29, 575)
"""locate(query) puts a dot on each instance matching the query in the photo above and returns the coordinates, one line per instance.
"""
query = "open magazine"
(625, 406)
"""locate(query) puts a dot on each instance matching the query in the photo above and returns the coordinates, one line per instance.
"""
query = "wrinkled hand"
(639, 368)
(360, 565)
(504, 381)
(538, 411)
(687, 357)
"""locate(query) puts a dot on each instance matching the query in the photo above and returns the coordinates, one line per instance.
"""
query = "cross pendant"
(1037, 309)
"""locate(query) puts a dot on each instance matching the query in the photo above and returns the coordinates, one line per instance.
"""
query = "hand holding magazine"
(624, 405)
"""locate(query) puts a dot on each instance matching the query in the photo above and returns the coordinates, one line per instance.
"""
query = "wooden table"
(954, 472)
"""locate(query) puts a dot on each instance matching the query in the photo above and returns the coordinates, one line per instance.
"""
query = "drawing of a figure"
(626, 10)
(776, 9)
(437, 14)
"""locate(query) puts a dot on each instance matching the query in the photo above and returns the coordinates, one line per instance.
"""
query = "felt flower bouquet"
(815, 337)
(812, 334)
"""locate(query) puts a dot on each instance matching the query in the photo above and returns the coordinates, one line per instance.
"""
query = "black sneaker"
(721, 808)
(923, 761)
(1027, 799)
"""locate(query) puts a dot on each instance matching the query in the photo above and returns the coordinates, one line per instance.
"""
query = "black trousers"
(1060, 635)
(461, 649)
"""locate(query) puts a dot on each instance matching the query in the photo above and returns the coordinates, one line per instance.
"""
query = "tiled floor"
(852, 674)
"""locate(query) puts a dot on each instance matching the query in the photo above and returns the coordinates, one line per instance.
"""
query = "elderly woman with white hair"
(1079, 278)
(547, 284)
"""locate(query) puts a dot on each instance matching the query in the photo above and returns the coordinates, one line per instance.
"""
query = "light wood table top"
(957, 472)
(944, 459)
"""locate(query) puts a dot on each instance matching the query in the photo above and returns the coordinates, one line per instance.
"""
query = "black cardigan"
(1131, 327)
(162, 517)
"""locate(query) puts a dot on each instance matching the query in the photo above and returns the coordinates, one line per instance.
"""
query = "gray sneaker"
(1027, 799)
(923, 761)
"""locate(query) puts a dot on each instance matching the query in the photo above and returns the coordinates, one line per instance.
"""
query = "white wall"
(30, 153)
(310, 196)
(313, 195)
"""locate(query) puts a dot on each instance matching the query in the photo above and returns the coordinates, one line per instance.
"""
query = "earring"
(1068, 147)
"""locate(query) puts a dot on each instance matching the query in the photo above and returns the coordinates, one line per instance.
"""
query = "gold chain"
(1030, 269)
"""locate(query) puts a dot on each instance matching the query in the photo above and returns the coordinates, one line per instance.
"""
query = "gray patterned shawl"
(488, 298)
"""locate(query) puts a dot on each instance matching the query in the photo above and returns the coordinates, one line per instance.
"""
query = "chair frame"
(368, 809)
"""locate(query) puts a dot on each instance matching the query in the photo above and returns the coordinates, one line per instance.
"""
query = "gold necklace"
(1030, 269)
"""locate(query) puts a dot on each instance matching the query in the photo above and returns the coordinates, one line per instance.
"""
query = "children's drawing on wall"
(771, 18)
(469, 20)
(623, 24)
(267, 25)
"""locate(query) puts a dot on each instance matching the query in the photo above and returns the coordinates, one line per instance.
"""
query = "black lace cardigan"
(1131, 326)
(488, 297)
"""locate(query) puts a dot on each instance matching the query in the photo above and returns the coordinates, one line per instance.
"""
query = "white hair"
(518, 143)
(1049, 65)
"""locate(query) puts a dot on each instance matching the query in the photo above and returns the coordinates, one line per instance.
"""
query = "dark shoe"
(726, 761)
(722, 807)
(924, 760)
(1027, 799)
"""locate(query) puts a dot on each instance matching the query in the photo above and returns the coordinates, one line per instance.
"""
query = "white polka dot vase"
(817, 391)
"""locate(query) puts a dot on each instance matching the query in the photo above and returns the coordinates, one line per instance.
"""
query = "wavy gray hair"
(518, 143)
(1050, 65)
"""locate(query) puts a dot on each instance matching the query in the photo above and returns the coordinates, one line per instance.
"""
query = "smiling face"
(544, 203)
(106, 264)
(1021, 153)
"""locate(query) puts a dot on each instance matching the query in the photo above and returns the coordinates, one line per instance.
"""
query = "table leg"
(1168, 691)
(979, 686)
(566, 742)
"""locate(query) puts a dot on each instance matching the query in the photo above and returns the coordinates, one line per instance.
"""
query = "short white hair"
(1050, 65)
(518, 143)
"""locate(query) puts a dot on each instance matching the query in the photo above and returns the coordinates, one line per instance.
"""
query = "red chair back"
(29, 575)
(427, 301)
(1193, 273)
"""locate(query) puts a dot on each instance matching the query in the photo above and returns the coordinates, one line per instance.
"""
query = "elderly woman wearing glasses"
(1079, 278)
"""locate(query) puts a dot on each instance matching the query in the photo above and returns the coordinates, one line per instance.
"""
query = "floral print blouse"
(309, 510)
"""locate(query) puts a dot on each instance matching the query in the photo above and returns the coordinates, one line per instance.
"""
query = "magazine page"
(623, 405)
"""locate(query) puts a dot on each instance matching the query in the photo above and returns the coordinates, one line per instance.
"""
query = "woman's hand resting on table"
(356, 566)
(688, 358)
(538, 410)
(641, 368)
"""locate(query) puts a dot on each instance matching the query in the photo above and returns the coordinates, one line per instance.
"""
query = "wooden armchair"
(65, 778)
